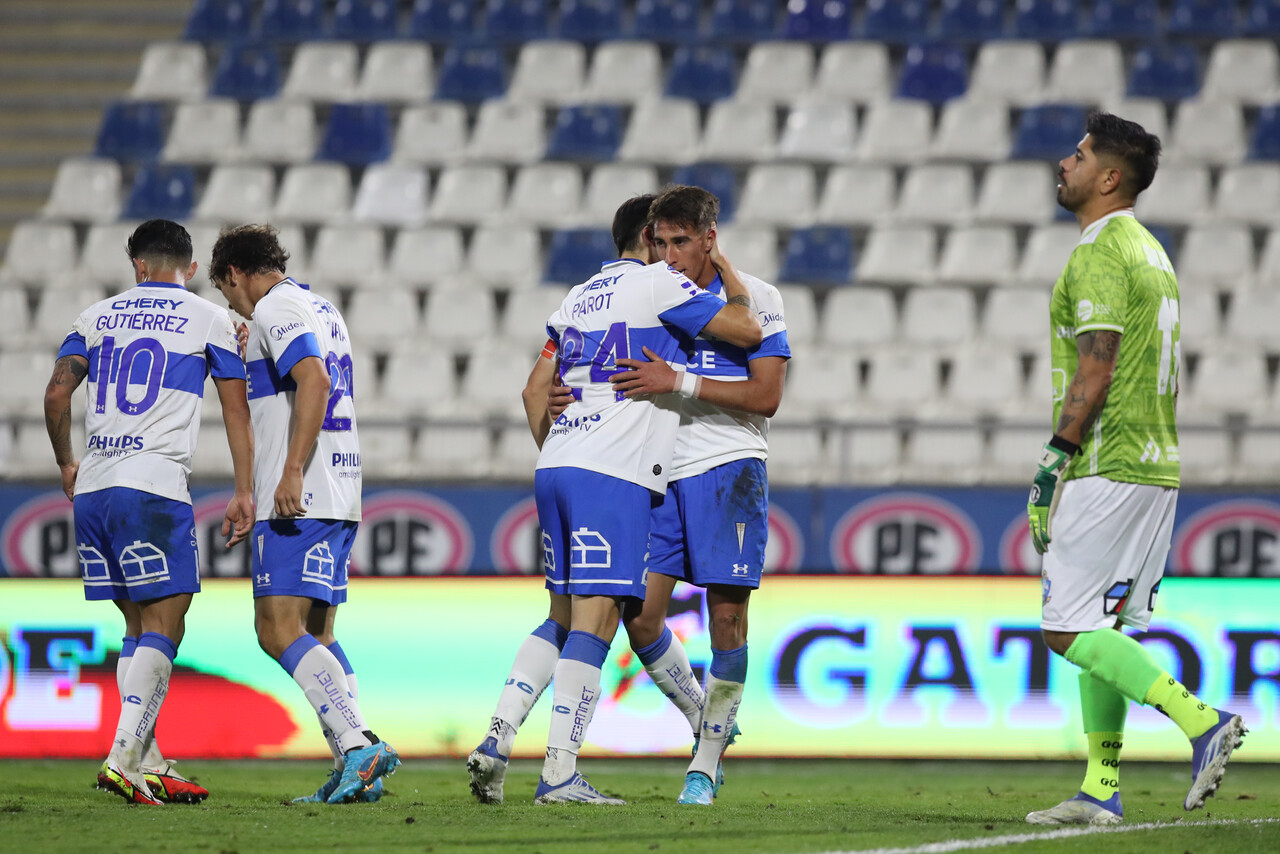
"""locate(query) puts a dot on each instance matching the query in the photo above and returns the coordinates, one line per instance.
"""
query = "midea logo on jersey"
(39, 539)
(1230, 538)
(411, 533)
(906, 533)
(278, 332)
(516, 544)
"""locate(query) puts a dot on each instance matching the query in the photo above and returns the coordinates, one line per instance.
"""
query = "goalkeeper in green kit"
(1108, 477)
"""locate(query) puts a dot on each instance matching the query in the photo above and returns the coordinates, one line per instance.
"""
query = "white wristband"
(688, 384)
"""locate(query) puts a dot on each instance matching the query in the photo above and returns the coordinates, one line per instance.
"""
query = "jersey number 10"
(156, 358)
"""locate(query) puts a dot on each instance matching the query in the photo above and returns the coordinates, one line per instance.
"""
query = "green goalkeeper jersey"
(1119, 278)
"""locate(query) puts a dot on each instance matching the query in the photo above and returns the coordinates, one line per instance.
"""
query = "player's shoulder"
(759, 288)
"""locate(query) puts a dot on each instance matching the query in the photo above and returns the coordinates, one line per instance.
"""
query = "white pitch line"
(1065, 833)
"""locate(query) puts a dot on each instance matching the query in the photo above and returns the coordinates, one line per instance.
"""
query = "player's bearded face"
(1076, 174)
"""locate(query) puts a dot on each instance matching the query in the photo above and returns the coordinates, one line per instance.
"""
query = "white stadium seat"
(495, 376)
(1250, 193)
(1047, 251)
(1085, 72)
(936, 193)
(469, 194)
(85, 189)
(455, 451)
(1179, 195)
(505, 256)
(392, 194)
(525, 310)
(322, 71)
(426, 255)
(898, 254)
(1253, 317)
(822, 385)
(858, 72)
(280, 131)
(972, 130)
(38, 252)
(1243, 70)
(979, 255)
(397, 73)
(459, 318)
(797, 457)
(508, 131)
(27, 372)
(857, 195)
(1200, 318)
(212, 457)
(778, 194)
(237, 194)
(1204, 456)
(383, 319)
(1259, 458)
(432, 134)
(800, 313)
(1269, 263)
(901, 380)
(1230, 380)
(776, 72)
(314, 193)
(952, 455)
(1217, 256)
(1148, 112)
(1016, 317)
(859, 318)
(204, 132)
(103, 258)
(820, 131)
(1020, 192)
(516, 454)
(611, 184)
(752, 248)
(872, 454)
(739, 131)
(939, 316)
(1206, 131)
(624, 72)
(662, 130)
(1012, 447)
(54, 315)
(15, 318)
(419, 380)
(547, 194)
(985, 381)
(171, 71)
(549, 71)
(896, 132)
(386, 451)
(1008, 72)
(348, 255)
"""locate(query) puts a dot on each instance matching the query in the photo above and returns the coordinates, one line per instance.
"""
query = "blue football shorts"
(135, 545)
(303, 557)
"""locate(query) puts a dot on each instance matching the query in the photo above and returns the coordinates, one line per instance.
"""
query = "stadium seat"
(280, 131)
(131, 131)
(624, 72)
(898, 254)
(590, 21)
(52, 321)
(246, 72)
(1085, 72)
(1253, 315)
(161, 192)
(392, 194)
(938, 193)
(1008, 71)
(666, 21)
(419, 378)
(858, 72)
(516, 455)
(364, 20)
(38, 252)
(85, 189)
(1047, 251)
(548, 195)
(1262, 19)
(901, 380)
(801, 313)
(753, 248)
(442, 21)
(1168, 71)
(15, 319)
(776, 72)
(743, 21)
(1265, 144)
(356, 134)
(386, 452)
(508, 131)
(934, 73)
(237, 194)
(525, 309)
(1165, 237)
(1048, 132)
(857, 195)
(461, 318)
(1015, 317)
(739, 131)
(859, 319)
(818, 131)
(662, 130)
(219, 20)
(1018, 193)
(1123, 19)
(1208, 132)
(1179, 196)
(1046, 20)
(718, 179)
(469, 195)
(702, 74)
(871, 454)
(973, 130)
(348, 255)
(611, 184)
(576, 254)
(822, 386)
(586, 133)
(1259, 458)
(1148, 112)
(171, 71)
(514, 22)
(505, 256)
(204, 132)
(1203, 19)
(549, 72)
(797, 457)
(970, 21)
(953, 455)
(471, 74)
(448, 451)
(897, 22)
(978, 255)
(1230, 381)
(1199, 317)
(939, 317)
(425, 255)
(818, 20)
(396, 72)
(1011, 447)
(292, 21)
(1245, 70)
(314, 193)
(102, 261)
(1204, 456)
(494, 372)
(1249, 193)
(323, 72)
(432, 134)
(818, 256)
(380, 319)
(896, 132)
(782, 194)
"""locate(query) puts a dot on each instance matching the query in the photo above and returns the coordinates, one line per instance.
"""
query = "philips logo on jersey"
(345, 460)
(278, 332)
(123, 443)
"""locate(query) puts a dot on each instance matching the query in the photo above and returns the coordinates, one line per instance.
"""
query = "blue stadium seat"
(590, 21)
(1265, 144)
(822, 255)
(589, 132)
(1164, 235)
(516, 21)
(1124, 19)
(364, 20)
(471, 74)
(161, 192)
(1048, 132)
(131, 130)
(246, 72)
(934, 73)
(742, 21)
(971, 21)
(1206, 19)
(219, 20)
(356, 134)
(576, 254)
(896, 21)
(442, 21)
(666, 21)
(1262, 20)
(1169, 71)
(716, 178)
(702, 74)
(292, 21)
(1046, 20)
(818, 20)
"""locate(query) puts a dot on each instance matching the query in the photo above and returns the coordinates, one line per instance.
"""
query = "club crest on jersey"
(1116, 596)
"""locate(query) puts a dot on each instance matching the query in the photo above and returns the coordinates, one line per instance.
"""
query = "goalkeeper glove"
(1057, 454)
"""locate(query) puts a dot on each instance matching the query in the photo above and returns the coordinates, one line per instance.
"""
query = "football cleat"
(371, 793)
(171, 787)
(1209, 755)
(575, 790)
(130, 787)
(1082, 809)
(698, 789)
(488, 769)
(322, 794)
(364, 765)
(719, 781)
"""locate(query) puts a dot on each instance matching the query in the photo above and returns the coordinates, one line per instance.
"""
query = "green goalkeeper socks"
(1103, 711)
(1184, 708)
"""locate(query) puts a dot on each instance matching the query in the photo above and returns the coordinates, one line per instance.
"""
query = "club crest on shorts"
(1115, 597)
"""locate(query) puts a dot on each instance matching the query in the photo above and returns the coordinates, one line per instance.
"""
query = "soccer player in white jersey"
(146, 353)
(307, 472)
(1115, 349)
(712, 525)
(604, 462)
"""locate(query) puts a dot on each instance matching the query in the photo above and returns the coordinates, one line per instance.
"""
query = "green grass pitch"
(773, 806)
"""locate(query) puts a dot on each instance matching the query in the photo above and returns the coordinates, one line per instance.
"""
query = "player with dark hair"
(308, 476)
(1115, 351)
(146, 354)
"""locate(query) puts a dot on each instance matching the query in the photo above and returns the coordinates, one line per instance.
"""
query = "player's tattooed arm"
(740, 299)
(1096, 354)
(68, 373)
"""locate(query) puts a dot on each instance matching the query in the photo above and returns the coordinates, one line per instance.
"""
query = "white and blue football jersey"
(710, 436)
(289, 324)
(149, 351)
(626, 307)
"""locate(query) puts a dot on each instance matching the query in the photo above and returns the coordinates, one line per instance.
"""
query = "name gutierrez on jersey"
(144, 320)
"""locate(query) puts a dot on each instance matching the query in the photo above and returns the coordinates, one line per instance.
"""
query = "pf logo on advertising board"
(1018, 554)
(411, 533)
(1230, 539)
(905, 533)
(39, 538)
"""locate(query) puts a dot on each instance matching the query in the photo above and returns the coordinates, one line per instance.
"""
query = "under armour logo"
(263, 578)
(324, 709)
(740, 568)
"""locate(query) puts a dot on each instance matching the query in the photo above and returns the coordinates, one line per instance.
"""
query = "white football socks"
(725, 682)
(577, 689)
(530, 675)
(324, 683)
(667, 663)
(143, 689)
